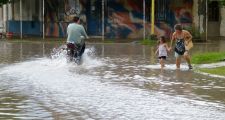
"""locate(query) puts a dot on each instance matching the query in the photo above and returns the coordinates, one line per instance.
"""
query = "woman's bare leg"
(178, 60)
(188, 59)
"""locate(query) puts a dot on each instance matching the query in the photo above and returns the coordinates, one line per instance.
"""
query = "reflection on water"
(16, 52)
(115, 81)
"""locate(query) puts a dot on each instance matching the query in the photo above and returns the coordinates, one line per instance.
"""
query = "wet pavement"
(115, 82)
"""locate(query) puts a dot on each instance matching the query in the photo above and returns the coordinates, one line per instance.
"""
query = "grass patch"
(216, 71)
(148, 42)
(204, 58)
(108, 41)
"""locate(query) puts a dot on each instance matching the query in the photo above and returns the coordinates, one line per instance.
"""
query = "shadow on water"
(115, 81)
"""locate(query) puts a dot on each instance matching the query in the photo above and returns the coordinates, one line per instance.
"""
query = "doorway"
(94, 15)
(214, 19)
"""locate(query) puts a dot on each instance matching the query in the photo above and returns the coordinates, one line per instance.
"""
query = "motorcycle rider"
(75, 37)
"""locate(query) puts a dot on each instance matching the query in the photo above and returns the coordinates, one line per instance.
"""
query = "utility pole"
(206, 20)
(153, 18)
(144, 18)
(21, 22)
(43, 19)
(103, 22)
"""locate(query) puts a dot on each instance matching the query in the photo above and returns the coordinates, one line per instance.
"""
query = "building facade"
(113, 18)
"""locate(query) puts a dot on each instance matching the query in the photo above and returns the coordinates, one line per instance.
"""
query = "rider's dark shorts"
(75, 47)
(70, 46)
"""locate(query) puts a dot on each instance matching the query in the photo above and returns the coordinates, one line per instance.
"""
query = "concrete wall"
(214, 28)
(5, 16)
(1, 21)
(31, 17)
(30, 10)
(1, 15)
(222, 25)
(197, 27)
(16, 10)
(195, 14)
(29, 27)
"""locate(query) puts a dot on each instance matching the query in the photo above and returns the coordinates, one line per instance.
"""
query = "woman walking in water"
(183, 44)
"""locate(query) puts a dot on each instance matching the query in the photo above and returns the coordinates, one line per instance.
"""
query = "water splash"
(89, 59)
(183, 67)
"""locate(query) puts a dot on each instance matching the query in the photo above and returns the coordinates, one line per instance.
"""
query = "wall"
(5, 16)
(29, 27)
(222, 25)
(125, 17)
(196, 16)
(31, 17)
(57, 22)
(1, 20)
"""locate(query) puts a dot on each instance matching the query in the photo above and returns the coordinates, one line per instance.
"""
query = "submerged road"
(115, 82)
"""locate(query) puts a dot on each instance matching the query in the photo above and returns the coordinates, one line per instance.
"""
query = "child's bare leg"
(162, 63)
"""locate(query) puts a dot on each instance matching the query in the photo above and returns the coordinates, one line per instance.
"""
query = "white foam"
(53, 80)
(167, 66)
(88, 58)
(211, 75)
(212, 65)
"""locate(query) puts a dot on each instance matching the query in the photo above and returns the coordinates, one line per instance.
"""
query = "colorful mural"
(123, 18)
(53, 25)
(59, 13)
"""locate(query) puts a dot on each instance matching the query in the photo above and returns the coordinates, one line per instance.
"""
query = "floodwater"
(115, 82)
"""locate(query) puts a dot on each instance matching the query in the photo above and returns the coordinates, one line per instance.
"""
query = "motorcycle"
(74, 53)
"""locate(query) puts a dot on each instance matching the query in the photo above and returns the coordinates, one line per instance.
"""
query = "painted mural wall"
(123, 18)
(59, 13)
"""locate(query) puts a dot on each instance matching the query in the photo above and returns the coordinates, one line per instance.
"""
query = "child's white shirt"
(162, 50)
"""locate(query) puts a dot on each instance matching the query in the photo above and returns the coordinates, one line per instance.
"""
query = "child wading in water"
(162, 51)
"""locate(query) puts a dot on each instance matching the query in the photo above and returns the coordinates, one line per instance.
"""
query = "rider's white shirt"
(76, 33)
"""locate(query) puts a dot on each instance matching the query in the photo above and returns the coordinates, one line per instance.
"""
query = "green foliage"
(148, 42)
(195, 33)
(212, 57)
(222, 2)
(109, 41)
(2, 2)
(152, 37)
(216, 71)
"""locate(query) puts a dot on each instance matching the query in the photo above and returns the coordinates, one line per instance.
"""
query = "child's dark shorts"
(162, 57)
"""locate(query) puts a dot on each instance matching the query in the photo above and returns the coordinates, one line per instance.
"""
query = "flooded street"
(115, 82)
